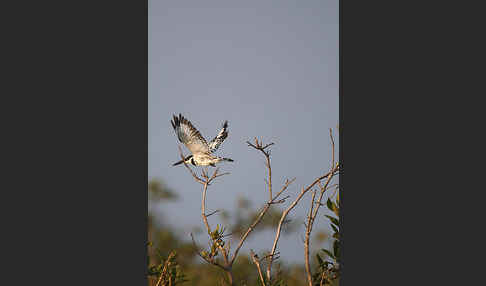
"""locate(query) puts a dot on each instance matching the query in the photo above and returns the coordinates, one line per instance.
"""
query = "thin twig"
(272, 200)
(323, 276)
(164, 270)
(199, 180)
(206, 182)
(258, 146)
(211, 213)
(284, 215)
(281, 201)
(313, 212)
(210, 261)
(332, 143)
(306, 243)
(205, 219)
(255, 259)
(252, 226)
(287, 183)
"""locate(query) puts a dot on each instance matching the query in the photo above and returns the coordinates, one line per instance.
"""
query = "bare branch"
(281, 201)
(203, 208)
(204, 172)
(313, 212)
(329, 175)
(287, 183)
(323, 276)
(268, 145)
(284, 215)
(199, 180)
(307, 235)
(258, 146)
(211, 213)
(322, 190)
(216, 175)
(206, 180)
(272, 200)
(164, 270)
(256, 260)
(332, 144)
(273, 257)
(252, 226)
(206, 223)
(312, 216)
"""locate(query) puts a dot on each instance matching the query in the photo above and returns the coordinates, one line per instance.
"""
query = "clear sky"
(268, 67)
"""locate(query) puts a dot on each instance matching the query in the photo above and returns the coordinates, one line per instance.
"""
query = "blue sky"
(268, 67)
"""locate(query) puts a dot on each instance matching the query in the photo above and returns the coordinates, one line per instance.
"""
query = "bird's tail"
(228, 159)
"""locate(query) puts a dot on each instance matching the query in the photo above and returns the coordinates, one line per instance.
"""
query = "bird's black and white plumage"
(200, 149)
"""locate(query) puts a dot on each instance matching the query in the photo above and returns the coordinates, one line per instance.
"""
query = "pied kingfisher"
(200, 149)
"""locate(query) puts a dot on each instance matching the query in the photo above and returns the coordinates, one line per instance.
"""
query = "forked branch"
(206, 180)
(258, 145)
(256, 260)
(314, 211)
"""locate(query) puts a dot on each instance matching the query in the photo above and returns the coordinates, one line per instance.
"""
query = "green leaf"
(328, 253)
(336, 248)
(336, 230)
(329, 204)
(336, 235)
(336, 210)
(333, 220)
(319, 259)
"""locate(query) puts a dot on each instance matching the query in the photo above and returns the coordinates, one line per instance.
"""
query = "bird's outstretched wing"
(189, 135)
(223, 133)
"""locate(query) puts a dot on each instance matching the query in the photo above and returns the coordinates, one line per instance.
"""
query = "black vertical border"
(405, 72)
(341, 153)
(77, 133)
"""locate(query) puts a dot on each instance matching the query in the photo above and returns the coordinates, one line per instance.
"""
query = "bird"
(200, 149)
